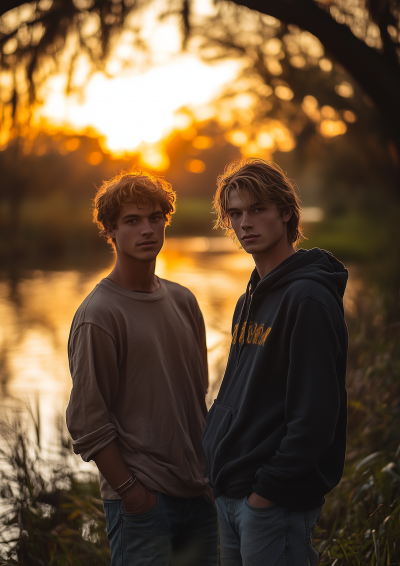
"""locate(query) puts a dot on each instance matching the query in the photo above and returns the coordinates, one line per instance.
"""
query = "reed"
(50, 515)
(361, 519)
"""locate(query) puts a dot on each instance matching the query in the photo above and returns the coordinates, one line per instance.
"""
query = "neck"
(134, 275)
(267, 261)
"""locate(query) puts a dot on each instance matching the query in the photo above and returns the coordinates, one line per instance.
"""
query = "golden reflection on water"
(36, 313)
(217, 280)
(37, 310)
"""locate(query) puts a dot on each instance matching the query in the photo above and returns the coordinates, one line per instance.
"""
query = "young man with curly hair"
(275, 436)
(138, 361)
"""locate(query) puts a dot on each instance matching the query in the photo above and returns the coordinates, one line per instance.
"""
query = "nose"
(246, 221)
(147, 228)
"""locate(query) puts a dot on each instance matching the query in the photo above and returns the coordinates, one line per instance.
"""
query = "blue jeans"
(265, 536)
(175, 532)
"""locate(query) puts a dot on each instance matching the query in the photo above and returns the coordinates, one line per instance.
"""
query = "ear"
(110, 231)
(286, 214)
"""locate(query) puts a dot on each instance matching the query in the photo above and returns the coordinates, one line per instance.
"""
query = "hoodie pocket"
(219, 420)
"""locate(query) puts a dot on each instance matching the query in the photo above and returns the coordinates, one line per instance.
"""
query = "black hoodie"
(278, 425)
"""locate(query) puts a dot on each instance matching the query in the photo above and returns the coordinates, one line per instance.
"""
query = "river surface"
(36, 310)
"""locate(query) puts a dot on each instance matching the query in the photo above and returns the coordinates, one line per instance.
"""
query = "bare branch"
(377, 75)
(7, 5)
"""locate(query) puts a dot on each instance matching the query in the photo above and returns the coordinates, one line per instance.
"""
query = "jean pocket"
(312, 517)
(144, 513)
(262, 509)
(112, 513)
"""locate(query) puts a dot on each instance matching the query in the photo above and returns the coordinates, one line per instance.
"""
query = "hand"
(139, 499)
(209, 495)
(258, 501)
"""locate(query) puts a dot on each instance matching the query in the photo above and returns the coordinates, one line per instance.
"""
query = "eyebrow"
(130, 216)
(254, 204)
(138, 215)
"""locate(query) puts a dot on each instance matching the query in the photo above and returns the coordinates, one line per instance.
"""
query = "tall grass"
(50, 516)
(361, 519)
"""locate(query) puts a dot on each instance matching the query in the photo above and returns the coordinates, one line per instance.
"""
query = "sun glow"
(136, 109)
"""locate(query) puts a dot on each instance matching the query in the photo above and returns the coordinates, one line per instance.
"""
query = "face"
(139, 231)
(259, 227)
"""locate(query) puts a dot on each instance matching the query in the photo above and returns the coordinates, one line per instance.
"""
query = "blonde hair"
(267, 183)
(138, 187)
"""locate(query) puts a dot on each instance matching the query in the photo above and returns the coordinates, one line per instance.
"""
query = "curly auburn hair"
(267, 183)
(138, 187)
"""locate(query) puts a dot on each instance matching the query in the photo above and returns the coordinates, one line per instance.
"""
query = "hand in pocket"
(139, 499)
(258, 501)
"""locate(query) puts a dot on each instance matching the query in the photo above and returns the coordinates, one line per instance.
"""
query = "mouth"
(147, 244)
(249, 238)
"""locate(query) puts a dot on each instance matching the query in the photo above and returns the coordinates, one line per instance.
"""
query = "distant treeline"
(48, 183)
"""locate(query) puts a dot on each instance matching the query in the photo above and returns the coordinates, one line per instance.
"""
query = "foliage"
(37, 38)
(361, 36)
(49, 181)
(40, 39)
(49, 516)
(361, 519)
(370, 533)
(286, 77)
(292, 95)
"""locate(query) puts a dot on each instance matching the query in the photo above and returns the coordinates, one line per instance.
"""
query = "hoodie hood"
(315, 264)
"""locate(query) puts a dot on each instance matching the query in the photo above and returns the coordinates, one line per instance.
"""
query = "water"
(37, 309)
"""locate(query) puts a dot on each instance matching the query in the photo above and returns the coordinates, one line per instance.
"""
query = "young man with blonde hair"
(275, 436)
(138, 362)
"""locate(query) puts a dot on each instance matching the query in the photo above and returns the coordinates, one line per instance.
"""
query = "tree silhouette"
(362, 36)
(293, 91)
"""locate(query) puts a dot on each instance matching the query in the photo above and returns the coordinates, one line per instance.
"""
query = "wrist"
(138, 498)
(128, 491)
(126, 486)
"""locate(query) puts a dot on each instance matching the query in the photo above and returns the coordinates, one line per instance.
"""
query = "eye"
(156, 218)
(234, 214)
(259, 209)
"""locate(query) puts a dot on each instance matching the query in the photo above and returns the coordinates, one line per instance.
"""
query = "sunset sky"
(135, 108)
(150, 87)
(139, 103)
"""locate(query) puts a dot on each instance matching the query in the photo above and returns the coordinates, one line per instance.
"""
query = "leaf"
(74, 515)
(364, 488)
(388, 469)
(367, 460)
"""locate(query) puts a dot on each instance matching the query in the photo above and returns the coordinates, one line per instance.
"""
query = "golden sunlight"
(154, 157)
(268, 136)
(195, 166)
(135, 109)
(332, 128)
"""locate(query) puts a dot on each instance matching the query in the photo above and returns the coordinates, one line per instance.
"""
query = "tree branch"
(46, 16)
(378, 77)
(7, 5)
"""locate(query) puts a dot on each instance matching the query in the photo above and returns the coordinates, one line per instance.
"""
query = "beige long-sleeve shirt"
(137, 367)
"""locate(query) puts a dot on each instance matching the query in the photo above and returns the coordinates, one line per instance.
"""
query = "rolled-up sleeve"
(95, 379)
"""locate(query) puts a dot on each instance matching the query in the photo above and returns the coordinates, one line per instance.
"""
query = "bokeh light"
(195, 165)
